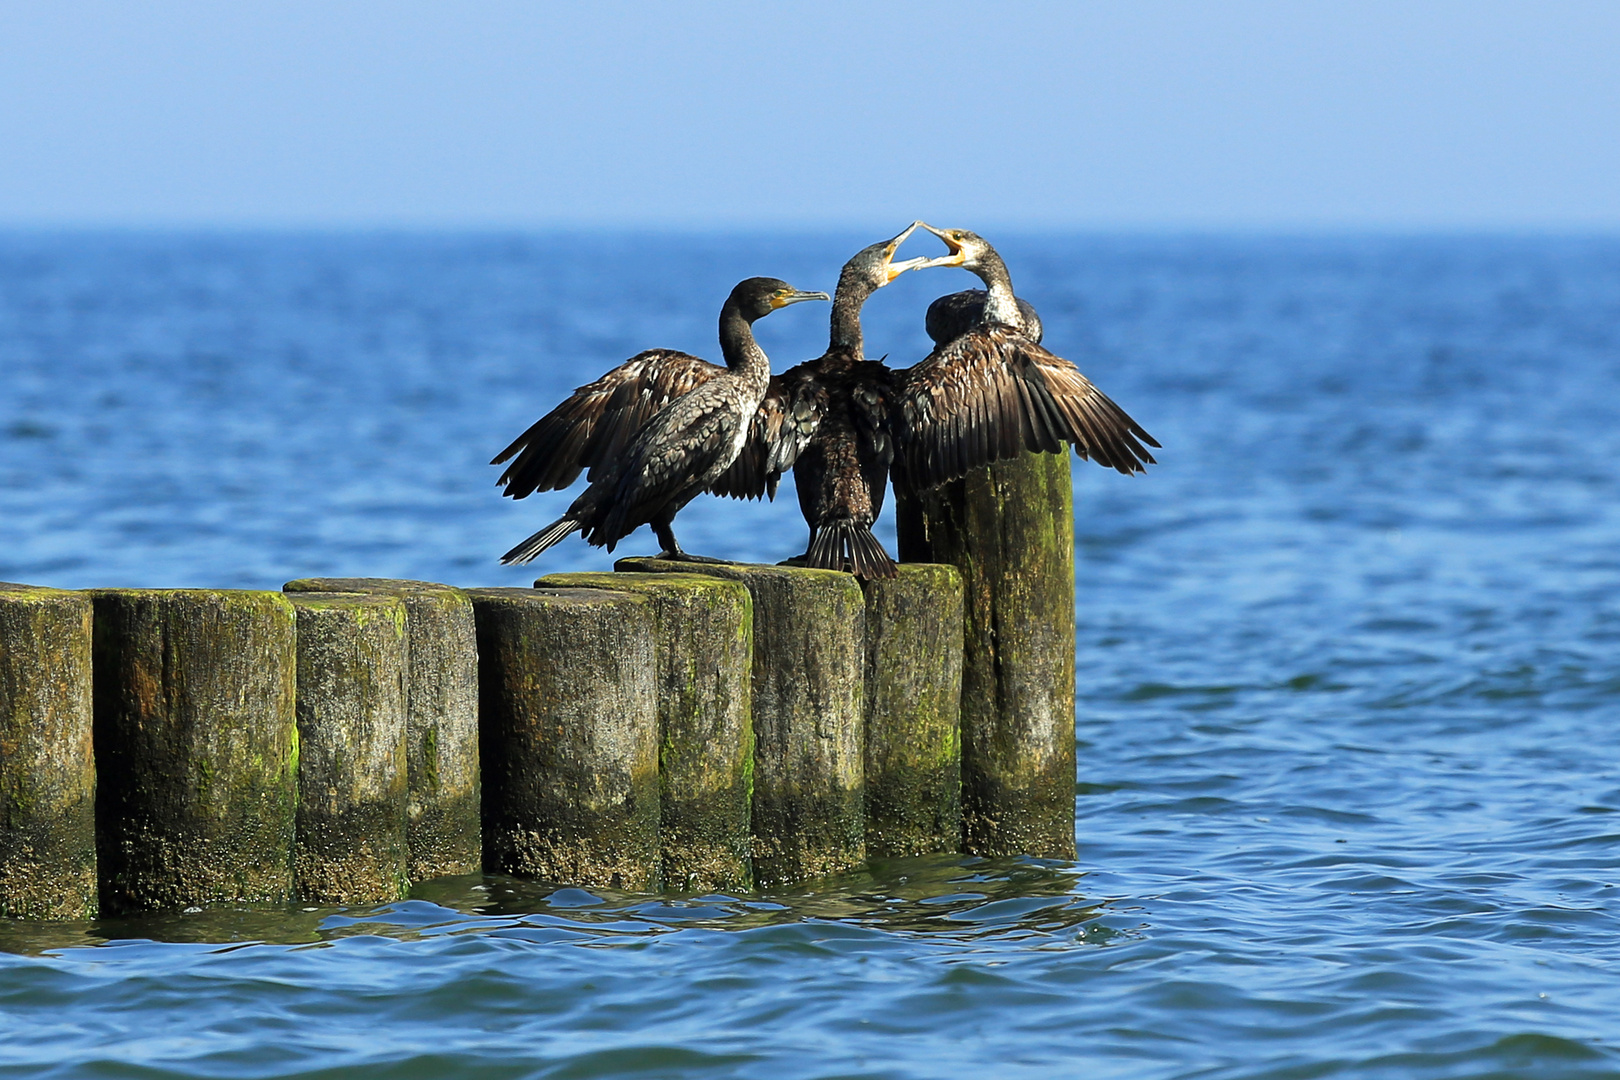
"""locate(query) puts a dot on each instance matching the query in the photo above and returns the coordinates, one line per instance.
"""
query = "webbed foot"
(682, 556)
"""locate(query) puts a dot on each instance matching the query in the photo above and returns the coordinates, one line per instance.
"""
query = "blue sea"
(1348, 660)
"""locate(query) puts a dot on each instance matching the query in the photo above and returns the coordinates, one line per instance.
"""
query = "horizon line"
(1012, 227)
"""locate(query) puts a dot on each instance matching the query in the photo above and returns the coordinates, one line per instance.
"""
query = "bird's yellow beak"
(895, 269)
(956, 257)
(796, 296)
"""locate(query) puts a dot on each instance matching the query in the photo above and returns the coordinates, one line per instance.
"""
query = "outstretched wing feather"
(992, 392)
(594, 426)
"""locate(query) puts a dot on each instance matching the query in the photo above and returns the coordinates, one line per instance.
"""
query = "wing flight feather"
(595, 425)
(992, 392)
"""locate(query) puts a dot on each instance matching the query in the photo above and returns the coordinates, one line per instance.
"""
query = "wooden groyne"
(688, 726)
(443, 802)
(47, 763)
(352, 806)
(570, 735)
(913, 756)
(1009, 529)
(703, 646)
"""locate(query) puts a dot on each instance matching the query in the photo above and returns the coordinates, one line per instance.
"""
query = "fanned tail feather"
(849, 545)
(541, 540)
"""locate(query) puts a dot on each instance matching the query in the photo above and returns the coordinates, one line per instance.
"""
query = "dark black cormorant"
(654, 432)
(989, 390)
(954, 314)
(833, 426)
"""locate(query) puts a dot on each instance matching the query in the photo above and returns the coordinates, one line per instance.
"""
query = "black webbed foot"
(682, 556)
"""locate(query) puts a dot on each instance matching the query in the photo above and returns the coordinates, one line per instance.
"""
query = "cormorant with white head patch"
(654, 432)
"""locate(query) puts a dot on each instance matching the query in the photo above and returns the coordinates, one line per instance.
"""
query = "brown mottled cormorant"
(991, 391)
(654, 432)
(827, 418)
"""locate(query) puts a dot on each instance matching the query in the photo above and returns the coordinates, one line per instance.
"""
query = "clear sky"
(1268, 114)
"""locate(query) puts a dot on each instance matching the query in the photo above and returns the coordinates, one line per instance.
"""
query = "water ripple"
(1346, 675)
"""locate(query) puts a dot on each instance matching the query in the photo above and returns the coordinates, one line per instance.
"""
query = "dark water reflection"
(1347, 663)
(951, 897)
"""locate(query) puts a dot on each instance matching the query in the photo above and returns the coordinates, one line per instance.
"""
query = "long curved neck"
(737, 345)
(845, 335)
(1000, 305)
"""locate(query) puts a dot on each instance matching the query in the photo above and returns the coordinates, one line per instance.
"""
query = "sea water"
(1348, 660)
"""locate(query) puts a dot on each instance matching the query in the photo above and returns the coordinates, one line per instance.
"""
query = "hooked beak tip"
(955, 246)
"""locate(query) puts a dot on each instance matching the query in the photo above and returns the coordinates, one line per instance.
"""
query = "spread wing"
(595, 425)
(991, 393)
(781, 429)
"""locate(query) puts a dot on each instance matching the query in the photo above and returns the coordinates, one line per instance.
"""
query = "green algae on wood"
(445, 829)
(351, 845)
(808, 814)
(569, 718)
(704, 644)
(47, 765)
(1009, 529)
(913, 711)
(196, 747)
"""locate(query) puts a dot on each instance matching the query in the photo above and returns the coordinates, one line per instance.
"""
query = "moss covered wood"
(441, 721)
(808, 815)
(569, 718)
(704, 632)
(1010, 530)
(351, 845)
(196, 747)
(47, 766)
(913, 711)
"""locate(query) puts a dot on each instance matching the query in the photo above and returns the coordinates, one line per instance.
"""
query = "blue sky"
(1245, 114)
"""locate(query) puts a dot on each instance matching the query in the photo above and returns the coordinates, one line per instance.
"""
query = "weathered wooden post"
(704, 631)
(913, 711)
(1010, 530)
(570, 735)
(808, 815)
(47, 767)
(351, 846)
(196, 747)
(445, 830)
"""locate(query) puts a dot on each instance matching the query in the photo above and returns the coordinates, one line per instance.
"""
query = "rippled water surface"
(1349, 662)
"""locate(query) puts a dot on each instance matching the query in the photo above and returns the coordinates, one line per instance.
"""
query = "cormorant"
(989, 390)
(986, 392)
(833, 426)
(654, 432)
(954, 314)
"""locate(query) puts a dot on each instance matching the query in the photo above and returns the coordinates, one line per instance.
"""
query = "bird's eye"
(956, 234)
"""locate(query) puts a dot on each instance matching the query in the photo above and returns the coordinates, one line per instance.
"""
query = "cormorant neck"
(737, 344)
(848, 299)
(1000, 305)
